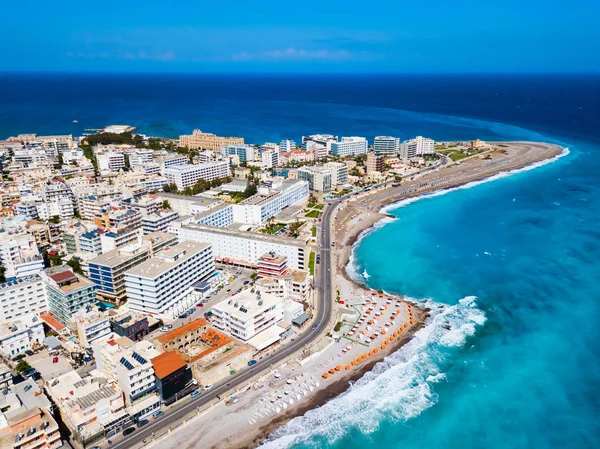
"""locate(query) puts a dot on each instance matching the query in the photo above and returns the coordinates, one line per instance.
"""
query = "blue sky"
(301, 36)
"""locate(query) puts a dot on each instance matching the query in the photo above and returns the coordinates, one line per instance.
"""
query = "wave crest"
(398, 388)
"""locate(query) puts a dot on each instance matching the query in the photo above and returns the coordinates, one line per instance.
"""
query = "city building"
(132, 325)
(272, 265)
(19, 255)
(173, 376)
(29, 428)
(287, 145)
(158, 221)
(269, 202)
(349, 146)
(107, 271)
(187, 175)
(207, 141)
(318, 178)
(375, 163)
(67, 292)
(299, 156)
(246, 153)
(21, 297)
(247, 315)
(110, 161)
(90, 325)
(318, 144)
(269, 158)
(22, 334)
(163, 286)
(386, 145)
(92, 408)
(295, 285)
(419, 146)
(245, 248)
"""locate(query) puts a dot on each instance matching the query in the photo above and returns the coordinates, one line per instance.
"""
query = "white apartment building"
(246, 153)
(171, 160)
(220, 216)
(129, 364)
(386, 145)
(318, 178)
(21, 297)
(245, 248)
(163, 285)
(287, 145)
(269, 158)
(91, 325)
(349, 146)
(295, 285)
(158, 221)
(139, 156)
(61, 207)
(245, 315)
(110, 161)
(187, 175)
(154, 183)
(267, 203)
(419, 146)
(26, 209)
(21, 334)
(318, 144)
(20, 256)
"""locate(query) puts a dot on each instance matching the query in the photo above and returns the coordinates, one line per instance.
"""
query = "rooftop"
(254, 235)
(182, 330)
(166, 363)
(247, 305)
(167, 258)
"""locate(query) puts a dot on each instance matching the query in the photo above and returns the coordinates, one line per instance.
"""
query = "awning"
(300, 320)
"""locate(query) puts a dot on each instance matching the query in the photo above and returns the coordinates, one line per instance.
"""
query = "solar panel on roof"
(139, 358)
(126, 363)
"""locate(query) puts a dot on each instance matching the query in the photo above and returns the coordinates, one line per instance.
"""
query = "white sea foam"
(398, 388)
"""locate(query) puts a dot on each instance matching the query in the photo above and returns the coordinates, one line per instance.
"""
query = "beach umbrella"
(331, 371)
(347, 367)
(376, 350)
(338, 368)
(353, 362)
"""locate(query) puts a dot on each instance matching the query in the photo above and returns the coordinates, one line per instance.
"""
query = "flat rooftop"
(246, 305)
(234, 231)
(164, 260)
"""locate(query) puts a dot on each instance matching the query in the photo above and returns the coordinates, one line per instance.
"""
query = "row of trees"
(201, 186)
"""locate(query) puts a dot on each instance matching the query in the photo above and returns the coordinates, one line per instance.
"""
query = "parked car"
(195, 394)
(246, 282)
(166, 328)
(183, 316)
(158, 414)
(142, 423)
(252, 362)
(314, 326)
(18, 357)
(208, 387)
(192, 310)
(128, 431)
(29, 352)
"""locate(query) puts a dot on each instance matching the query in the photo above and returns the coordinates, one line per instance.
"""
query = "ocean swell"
(398, 388)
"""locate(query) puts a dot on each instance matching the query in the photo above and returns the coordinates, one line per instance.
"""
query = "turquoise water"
(509, 358)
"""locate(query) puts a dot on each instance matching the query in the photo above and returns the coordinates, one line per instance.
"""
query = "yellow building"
(207, 141)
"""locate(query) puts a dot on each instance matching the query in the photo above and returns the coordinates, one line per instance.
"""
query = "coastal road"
(175, 414)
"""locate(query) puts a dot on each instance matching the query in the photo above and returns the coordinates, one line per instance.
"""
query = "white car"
(208, 387)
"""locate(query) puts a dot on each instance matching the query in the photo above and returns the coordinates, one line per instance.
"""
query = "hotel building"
(419, 146)
(187, 175)
(246, 153)
(164, 285)
(207, 141)
(386, 145)
(349, 146)
(21, 297)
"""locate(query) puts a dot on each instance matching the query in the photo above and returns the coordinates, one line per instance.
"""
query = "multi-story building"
(90, 206)
(26, 209)
(29, 428)
(158, 221)
(91, 325)
(375, 163)
(67, 292)
(318, 178)
(349, 146)
(269, 202)
(207, 141)
(339, 173)
(22, 334)
(172, 375)
(419, 146)
(295, 285)
(244, 152)
(19, 255)
(163, 286)
(147, 204)
(132, 325)
(245, 315)
(296, 156)
(386, 145)
(129, 364)
(61, 207)
(21, 297)
(107, 271)
(110, 161)
(272, 265)
(219, 216)
(287, 145)
(171, 160)
(92, 408)
(91, 242)
(245, 248)
(318, 144)
(269, 158)
(187, 175)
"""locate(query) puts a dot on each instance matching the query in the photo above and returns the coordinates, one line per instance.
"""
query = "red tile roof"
(166, 363)
(51, 321)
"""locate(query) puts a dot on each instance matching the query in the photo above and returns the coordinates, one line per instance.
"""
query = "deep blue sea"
(509, 267)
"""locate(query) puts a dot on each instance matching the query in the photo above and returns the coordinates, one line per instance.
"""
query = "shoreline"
(356, 219)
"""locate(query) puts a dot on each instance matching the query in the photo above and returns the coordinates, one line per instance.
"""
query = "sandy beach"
(374, 324)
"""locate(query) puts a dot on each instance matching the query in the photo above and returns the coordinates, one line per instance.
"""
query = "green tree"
(75, 264)
(55, 219)
(22, 366)
(127, 163)
(251, 189)
(2, 276)
(55, 259)
(166, 205)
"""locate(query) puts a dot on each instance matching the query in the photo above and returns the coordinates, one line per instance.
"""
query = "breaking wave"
(398, 388)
